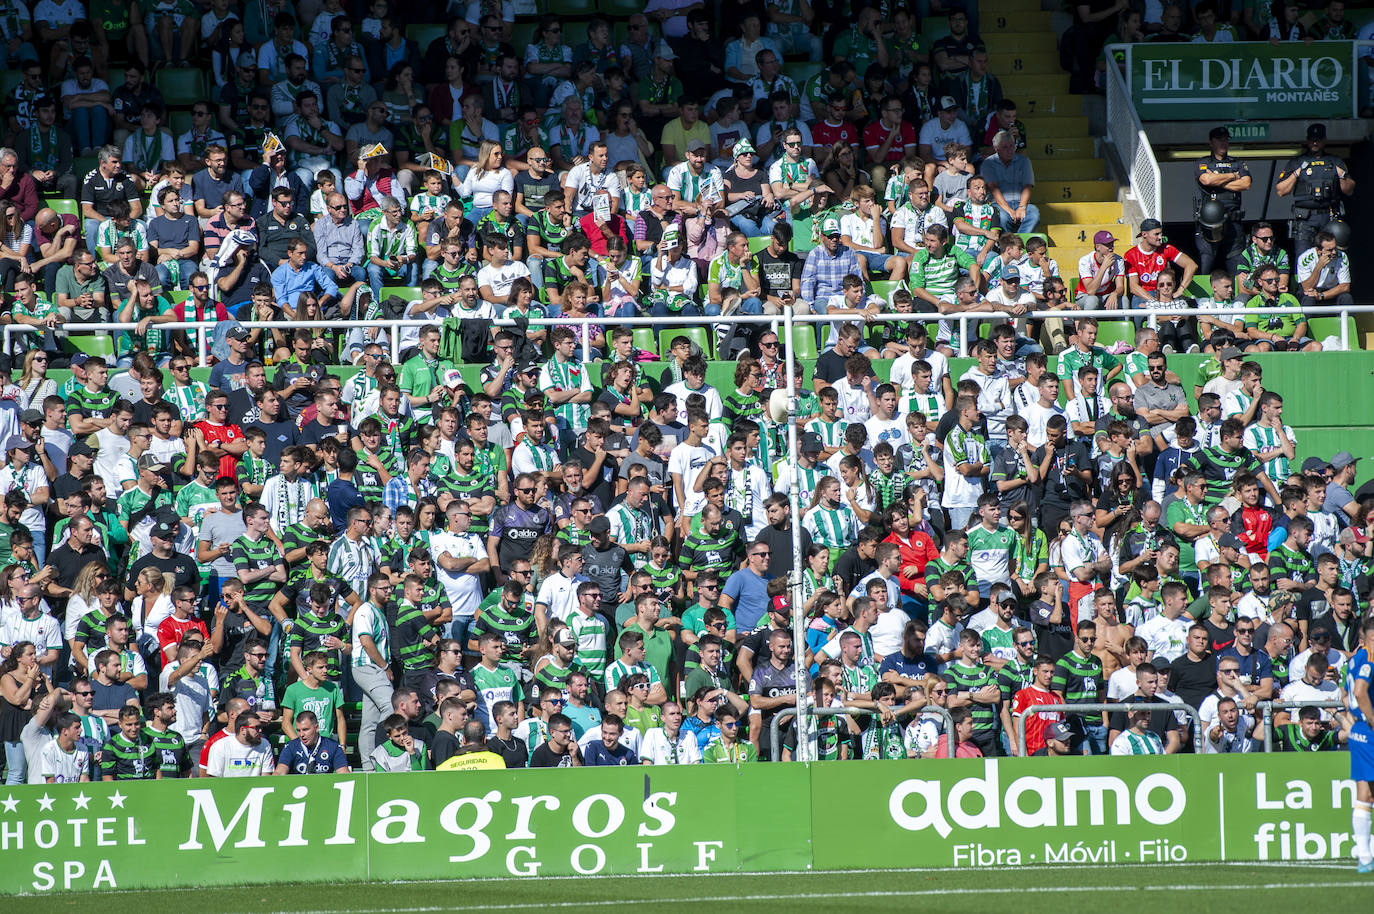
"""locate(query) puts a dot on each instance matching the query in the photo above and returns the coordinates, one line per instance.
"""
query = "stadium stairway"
(1072, 190)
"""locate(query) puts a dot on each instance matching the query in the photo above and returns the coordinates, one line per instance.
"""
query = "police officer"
(1220, 179)
(1317, 182)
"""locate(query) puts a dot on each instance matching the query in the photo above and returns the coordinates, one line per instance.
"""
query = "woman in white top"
(151, 606)
(34, 384)
(83, 599)
(485, 179)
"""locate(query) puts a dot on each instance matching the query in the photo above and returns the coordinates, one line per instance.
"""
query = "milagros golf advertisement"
(700, 819)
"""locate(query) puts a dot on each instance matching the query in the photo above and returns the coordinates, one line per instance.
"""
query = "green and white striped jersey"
(1132, 743)
(836, 528)
(1259, 438)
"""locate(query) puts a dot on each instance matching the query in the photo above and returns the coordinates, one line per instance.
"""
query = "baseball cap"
(696, 146)
(1313, 465)
(1011, 274)
(665, 50)
(1058, 731)
(80, 448)
(237, 333)
(810, 443)
(17, 443)
(947, 103)
(831, 226)
(247, 59)
(1149, 225)
(1321, 634)
(528, 368)
(79, 360)
(31, 416)
(565, 637)
(163, 530)
(152, 463)
(1231, 352)
(599, 525)
(1342, 460)
(1316, 131)
(781, 605)
(1230, 541)
(1104, 237)
(1218, 133)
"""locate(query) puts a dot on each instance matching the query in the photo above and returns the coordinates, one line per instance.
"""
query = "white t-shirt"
(464, 591)
(229, 758)
(586, 185)
(62, 767)
(500, 279)
(1121, 685)
(194, 698)
(559, 594)
(687, 461)
(935, 136)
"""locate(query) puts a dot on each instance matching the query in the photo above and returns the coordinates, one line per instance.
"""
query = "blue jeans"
(90, 127)
(751, 305)
(753, 229)
(959, 517)
(16, 763)
(1027, 224)
(660, 309)
(1094, 738)
(409, 276)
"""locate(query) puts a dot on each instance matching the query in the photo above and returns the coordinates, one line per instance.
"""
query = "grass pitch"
(1118, 889)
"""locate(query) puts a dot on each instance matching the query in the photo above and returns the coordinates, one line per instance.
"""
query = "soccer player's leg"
(1362, 773)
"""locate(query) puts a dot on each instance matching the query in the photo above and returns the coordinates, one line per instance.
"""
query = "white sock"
(1360, 823)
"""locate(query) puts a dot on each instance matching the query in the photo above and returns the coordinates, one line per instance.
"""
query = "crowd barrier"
(752, 818)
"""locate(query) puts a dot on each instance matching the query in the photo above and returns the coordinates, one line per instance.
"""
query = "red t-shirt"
(595, 234)
(222, 434)
(205, 749)
(875, 133)
(1036, 723)
(199, 314)
(1253, 526)
(1147, 267)
(825, 134)
(916, 550)
(171, 630)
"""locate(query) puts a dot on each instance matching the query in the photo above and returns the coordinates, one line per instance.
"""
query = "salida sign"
(697, 819)
(1170, 81)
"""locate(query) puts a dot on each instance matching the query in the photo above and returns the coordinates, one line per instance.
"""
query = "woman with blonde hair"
(486, 177)
(151, 606)
(84, 598)
(34, 384)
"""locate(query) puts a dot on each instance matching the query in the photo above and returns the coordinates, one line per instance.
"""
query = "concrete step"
(1067, 257)
(1065, 235)
(1010, 21)
(1052, 124)
(989, 8)
(1074, 191)
(1047, 170)
(1008, 42)
(1034, 84)
(1010, 66)
(1080, 213)
(1061, 147)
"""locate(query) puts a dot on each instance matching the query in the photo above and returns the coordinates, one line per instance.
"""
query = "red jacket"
(917, 550)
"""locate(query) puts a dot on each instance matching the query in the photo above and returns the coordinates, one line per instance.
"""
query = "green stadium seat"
(618, 8)
(804, 341)
(181, 87)
(179, 122)
(573, 9)
(96, 345)
(802, 70)
(644, 339)
(1027, 236)
(884, 287)
(699, 335)
(424, 33)
(1319, 328)
(758, 244)
(82, 166)
(1110, 332)
(1199, 288)
(65, 207)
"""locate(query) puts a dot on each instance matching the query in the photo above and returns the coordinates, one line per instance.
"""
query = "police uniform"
(1316, 196)
(1231, 242)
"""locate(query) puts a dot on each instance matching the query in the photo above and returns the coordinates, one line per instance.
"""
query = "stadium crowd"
(561, 561)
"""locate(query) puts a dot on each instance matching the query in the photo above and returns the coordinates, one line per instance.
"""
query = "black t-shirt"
(68, 562)
(534, 189)
(830, 366)
(1312, 606)
(603, 486)
(780, 544)
(545, 757)
(1219, 637)
(950, 419)
(1052, 639)
(315, 432)
(1193, 680)
(776, 273)
(444, 747)
(243, 408)
(100, 192)
(183, 570)
(1161, 721)
(853, 568)
(512, 750)
(1061, 486)
(65, 486)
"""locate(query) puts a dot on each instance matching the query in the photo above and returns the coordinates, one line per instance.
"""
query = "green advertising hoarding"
(1171, 81)
(699, 819)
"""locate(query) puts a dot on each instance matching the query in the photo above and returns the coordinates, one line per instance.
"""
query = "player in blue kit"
(1358, 703)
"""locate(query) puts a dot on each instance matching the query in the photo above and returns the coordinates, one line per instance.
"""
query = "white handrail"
(1127, 135)
(962, 317)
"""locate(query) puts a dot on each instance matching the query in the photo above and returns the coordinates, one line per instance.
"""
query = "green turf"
(1240, 888)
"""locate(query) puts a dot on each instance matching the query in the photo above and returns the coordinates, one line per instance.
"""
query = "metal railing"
(1127, 136)
(775, 730)
(1267, 709)
(1174, 706)
(965, 321)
